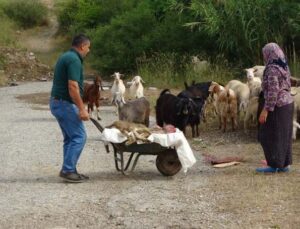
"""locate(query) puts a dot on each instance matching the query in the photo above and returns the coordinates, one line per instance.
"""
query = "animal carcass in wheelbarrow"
(167, 161)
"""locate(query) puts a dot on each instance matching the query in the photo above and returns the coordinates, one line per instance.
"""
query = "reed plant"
(171, 70)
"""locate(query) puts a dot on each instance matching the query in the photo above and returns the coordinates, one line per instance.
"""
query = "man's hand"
(263, 116)
(75, 95)
(84, 115)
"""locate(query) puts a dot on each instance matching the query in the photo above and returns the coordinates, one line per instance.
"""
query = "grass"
(165, 71)
(8, 28)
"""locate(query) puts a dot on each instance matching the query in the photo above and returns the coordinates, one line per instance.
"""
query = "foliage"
(241, 28)
(125, 32)
(7, 34)
(27, 13)
(78, 15)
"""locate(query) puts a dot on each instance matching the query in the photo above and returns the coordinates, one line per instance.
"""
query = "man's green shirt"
(68, 67)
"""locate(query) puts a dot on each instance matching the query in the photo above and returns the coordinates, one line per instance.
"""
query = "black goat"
(200, 90)
(171, 109)
(197, 105)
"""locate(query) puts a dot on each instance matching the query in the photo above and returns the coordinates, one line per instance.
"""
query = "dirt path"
(33, 196)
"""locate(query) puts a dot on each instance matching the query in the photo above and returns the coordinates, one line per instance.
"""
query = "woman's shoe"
(284, 170)
(267, 170)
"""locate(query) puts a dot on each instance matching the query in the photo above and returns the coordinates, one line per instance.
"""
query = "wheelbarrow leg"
(120, 163)
(118, 159)
(135, 161)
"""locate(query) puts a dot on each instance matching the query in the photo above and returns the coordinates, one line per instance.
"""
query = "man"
(67, 106)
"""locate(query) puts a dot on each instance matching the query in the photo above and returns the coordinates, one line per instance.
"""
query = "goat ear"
(215, 89)
(178, 107)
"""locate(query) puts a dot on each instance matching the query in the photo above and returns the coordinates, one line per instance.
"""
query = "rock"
(43, 79)
(13, 84)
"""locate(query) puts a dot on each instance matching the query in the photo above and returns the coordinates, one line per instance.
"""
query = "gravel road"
(33, 196)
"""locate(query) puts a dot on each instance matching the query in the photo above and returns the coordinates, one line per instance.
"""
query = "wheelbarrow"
(167, 161)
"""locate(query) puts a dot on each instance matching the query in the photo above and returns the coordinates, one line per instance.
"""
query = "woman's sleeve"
(271, 94)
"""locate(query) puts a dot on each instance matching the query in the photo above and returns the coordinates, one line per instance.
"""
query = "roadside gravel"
(33, 196)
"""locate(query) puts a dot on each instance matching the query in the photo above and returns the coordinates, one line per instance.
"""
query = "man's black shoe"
(72, 177)
(82, 175)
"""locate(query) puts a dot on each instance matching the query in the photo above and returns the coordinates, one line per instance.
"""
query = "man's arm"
(75, 96)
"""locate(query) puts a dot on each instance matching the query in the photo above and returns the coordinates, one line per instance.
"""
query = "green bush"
(124, 32)
(27, 13)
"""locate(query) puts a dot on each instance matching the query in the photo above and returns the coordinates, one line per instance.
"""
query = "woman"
(276, 118)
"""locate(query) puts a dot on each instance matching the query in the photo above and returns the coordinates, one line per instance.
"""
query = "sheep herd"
(230, 102)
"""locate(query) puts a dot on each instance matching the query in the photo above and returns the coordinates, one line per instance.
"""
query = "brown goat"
(91, 95)
(226, 106)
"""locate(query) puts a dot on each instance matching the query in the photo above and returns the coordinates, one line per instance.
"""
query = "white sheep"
(118, 87)
(136, 89)
(242, 92)
(251, 112)
(295, 91)
(256, 71)
(253, 82)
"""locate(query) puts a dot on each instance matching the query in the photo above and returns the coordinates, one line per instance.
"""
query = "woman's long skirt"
(275, 136)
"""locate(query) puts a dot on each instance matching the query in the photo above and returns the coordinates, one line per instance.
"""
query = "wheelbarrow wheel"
(167, 163)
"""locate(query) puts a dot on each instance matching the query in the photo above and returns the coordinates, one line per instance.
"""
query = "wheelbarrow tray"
(167, 161)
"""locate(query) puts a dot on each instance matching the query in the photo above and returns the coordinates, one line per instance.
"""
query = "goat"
(200, 90)
(136, 89)
(132, 131)
(226, 106)
(91, 96)
(295, 92)
(171, 109)
(295, 82)
(253, 82)
(214, 96)
(251, 112)
(137, 111)
(197, 106)
(242, 93)
(118, 87)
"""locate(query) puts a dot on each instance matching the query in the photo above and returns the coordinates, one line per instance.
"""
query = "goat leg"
(193, 131)
(233, 124)
(224, 123)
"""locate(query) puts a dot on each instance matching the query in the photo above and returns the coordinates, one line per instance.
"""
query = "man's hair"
(79, 40)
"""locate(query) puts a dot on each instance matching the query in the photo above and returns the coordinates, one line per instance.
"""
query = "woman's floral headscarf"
(273, 55)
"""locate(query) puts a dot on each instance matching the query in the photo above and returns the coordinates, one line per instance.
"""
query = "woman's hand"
(263, 116)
